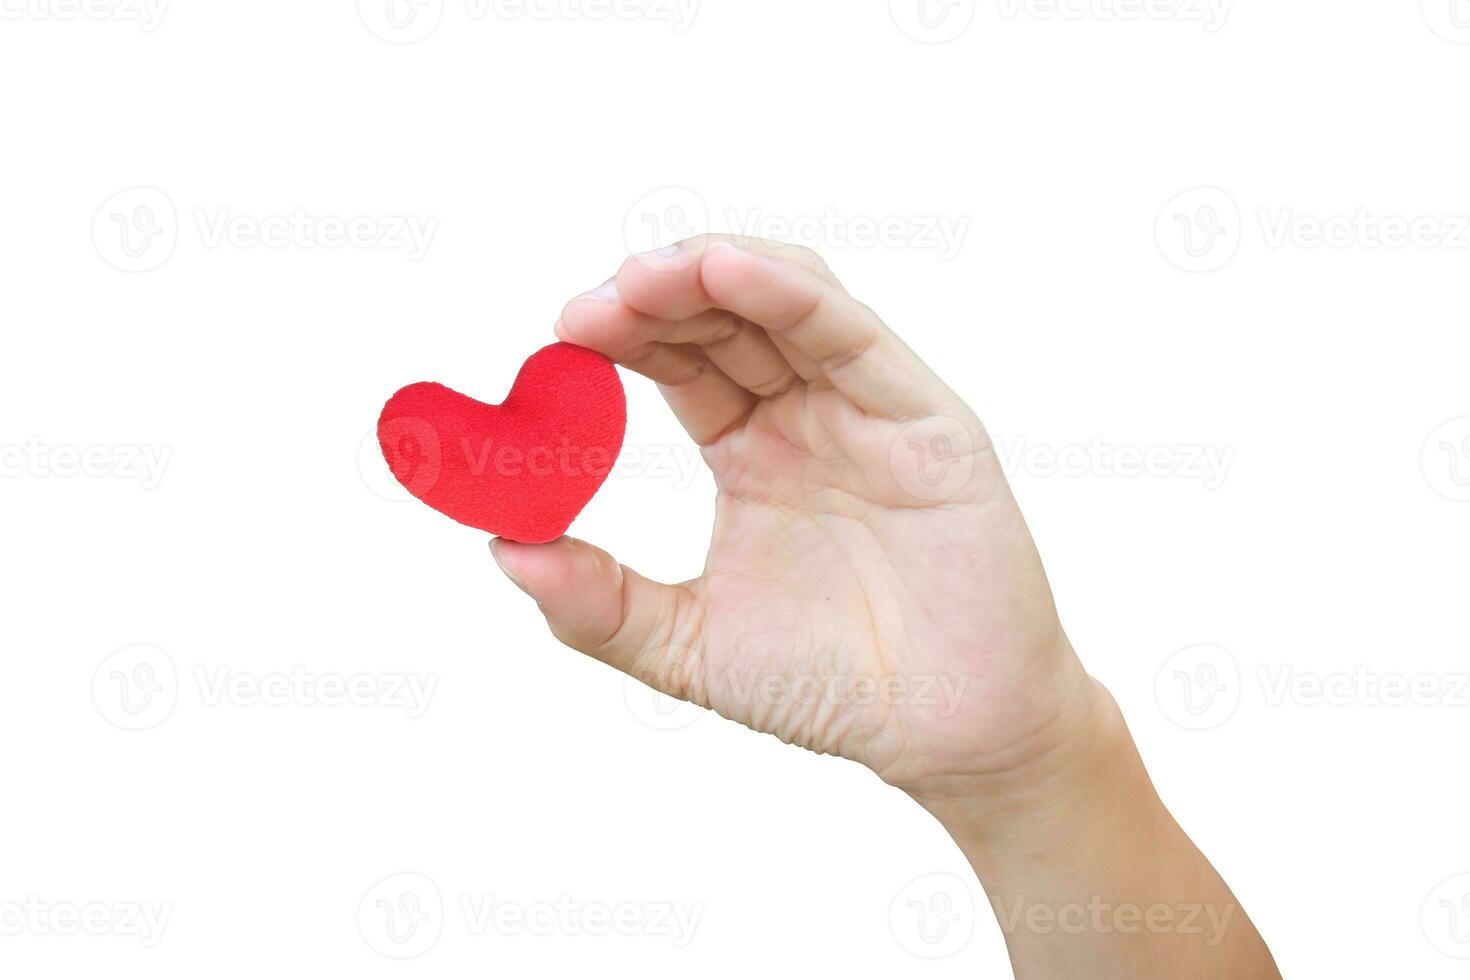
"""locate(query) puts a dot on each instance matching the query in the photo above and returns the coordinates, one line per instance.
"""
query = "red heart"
(522, 469)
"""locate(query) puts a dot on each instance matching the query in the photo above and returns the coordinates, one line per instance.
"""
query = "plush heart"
(522, 469)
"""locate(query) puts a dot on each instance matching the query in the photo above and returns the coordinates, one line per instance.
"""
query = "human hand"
(871, 589)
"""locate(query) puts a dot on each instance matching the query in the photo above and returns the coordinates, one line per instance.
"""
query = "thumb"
(604, 609)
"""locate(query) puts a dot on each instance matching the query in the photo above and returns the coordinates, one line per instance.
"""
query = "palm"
(841, 614)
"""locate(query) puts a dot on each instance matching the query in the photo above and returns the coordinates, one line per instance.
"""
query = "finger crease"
(776, 386)
(840, 360)
(727, 332)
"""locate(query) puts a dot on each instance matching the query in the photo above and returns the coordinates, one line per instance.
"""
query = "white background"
(1097, 309)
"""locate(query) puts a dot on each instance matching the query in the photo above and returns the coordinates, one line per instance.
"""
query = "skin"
(872, 592)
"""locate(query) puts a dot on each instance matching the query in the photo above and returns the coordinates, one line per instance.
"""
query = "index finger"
(853, 349)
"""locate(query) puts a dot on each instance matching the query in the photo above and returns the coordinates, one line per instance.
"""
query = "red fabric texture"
(522, 469)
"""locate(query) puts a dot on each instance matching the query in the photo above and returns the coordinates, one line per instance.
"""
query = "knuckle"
(678, 672)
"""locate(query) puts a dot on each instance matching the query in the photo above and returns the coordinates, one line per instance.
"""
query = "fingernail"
(495, 553)
(607, 292)
(666, 258)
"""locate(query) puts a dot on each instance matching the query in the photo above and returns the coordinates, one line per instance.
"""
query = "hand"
(871, 590)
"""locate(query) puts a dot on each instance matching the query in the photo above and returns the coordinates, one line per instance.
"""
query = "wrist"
(1089, 874)
(1087, 784)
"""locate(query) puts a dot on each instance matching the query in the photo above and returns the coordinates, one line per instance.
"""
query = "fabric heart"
(522, 469)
